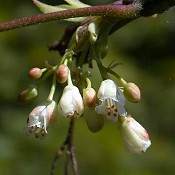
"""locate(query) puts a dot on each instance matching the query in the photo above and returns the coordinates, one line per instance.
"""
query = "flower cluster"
(77, 97)
(109, 101)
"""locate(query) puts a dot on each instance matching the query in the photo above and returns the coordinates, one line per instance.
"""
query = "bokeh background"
(146, 49)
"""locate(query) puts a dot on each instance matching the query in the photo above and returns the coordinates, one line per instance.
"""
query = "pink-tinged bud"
(35, 73)
(134, 135)
(89, 97)
(40, 117)
(62, 73)
(94, 121)
(132, 92)
(27, 95)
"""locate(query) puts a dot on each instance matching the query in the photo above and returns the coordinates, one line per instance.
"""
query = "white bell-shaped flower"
(71, 102)
(40, 117)
(112, 100)
(134, 135)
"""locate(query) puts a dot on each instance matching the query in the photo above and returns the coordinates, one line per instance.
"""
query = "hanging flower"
(71, 102)
(112, 101)
(40, 117)
(135, 136)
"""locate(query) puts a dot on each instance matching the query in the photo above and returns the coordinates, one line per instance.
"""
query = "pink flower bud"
(132, 92)
(62, 73)
(27, 95)
(35, 73)
(89, 97)
(134, 135)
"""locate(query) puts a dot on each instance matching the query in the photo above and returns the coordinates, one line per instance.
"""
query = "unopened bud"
(135, 137)
(62, 73)
(132, 92)
(35, 73)
(89, 97)
(28, 95)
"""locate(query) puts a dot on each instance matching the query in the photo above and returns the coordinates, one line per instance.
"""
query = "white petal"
(107, 90)
(135, 137)
(71, 102)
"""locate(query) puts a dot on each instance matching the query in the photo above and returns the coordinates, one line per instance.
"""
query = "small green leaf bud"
(62, 73)
(28, 95)
(35, 73)
(89, 97)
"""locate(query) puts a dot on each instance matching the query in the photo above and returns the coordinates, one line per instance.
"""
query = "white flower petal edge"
(71, 102)
(112, 101)
(135, 136)
(40, 117)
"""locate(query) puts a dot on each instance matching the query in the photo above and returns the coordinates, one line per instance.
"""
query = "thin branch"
(56, 158)
(118, 11)
(69, 144)
(67, 163)
(74, 161)
(71, 150)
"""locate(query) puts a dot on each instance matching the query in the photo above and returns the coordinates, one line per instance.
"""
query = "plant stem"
(70, 152)
(117, 11)
(53, 87)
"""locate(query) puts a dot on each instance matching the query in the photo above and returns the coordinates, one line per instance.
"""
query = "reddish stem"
(118, 11)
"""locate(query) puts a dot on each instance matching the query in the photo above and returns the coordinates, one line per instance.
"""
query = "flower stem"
(48, 73)
(88, 83)
(69, 80)
(69, 147)
(102, 69)
(52, 90)
(112, 10)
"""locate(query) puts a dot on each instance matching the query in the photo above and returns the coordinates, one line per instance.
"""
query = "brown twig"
(70, 156)
(56, 158)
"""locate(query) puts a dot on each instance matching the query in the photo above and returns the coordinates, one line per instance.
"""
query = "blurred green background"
(146, 47)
